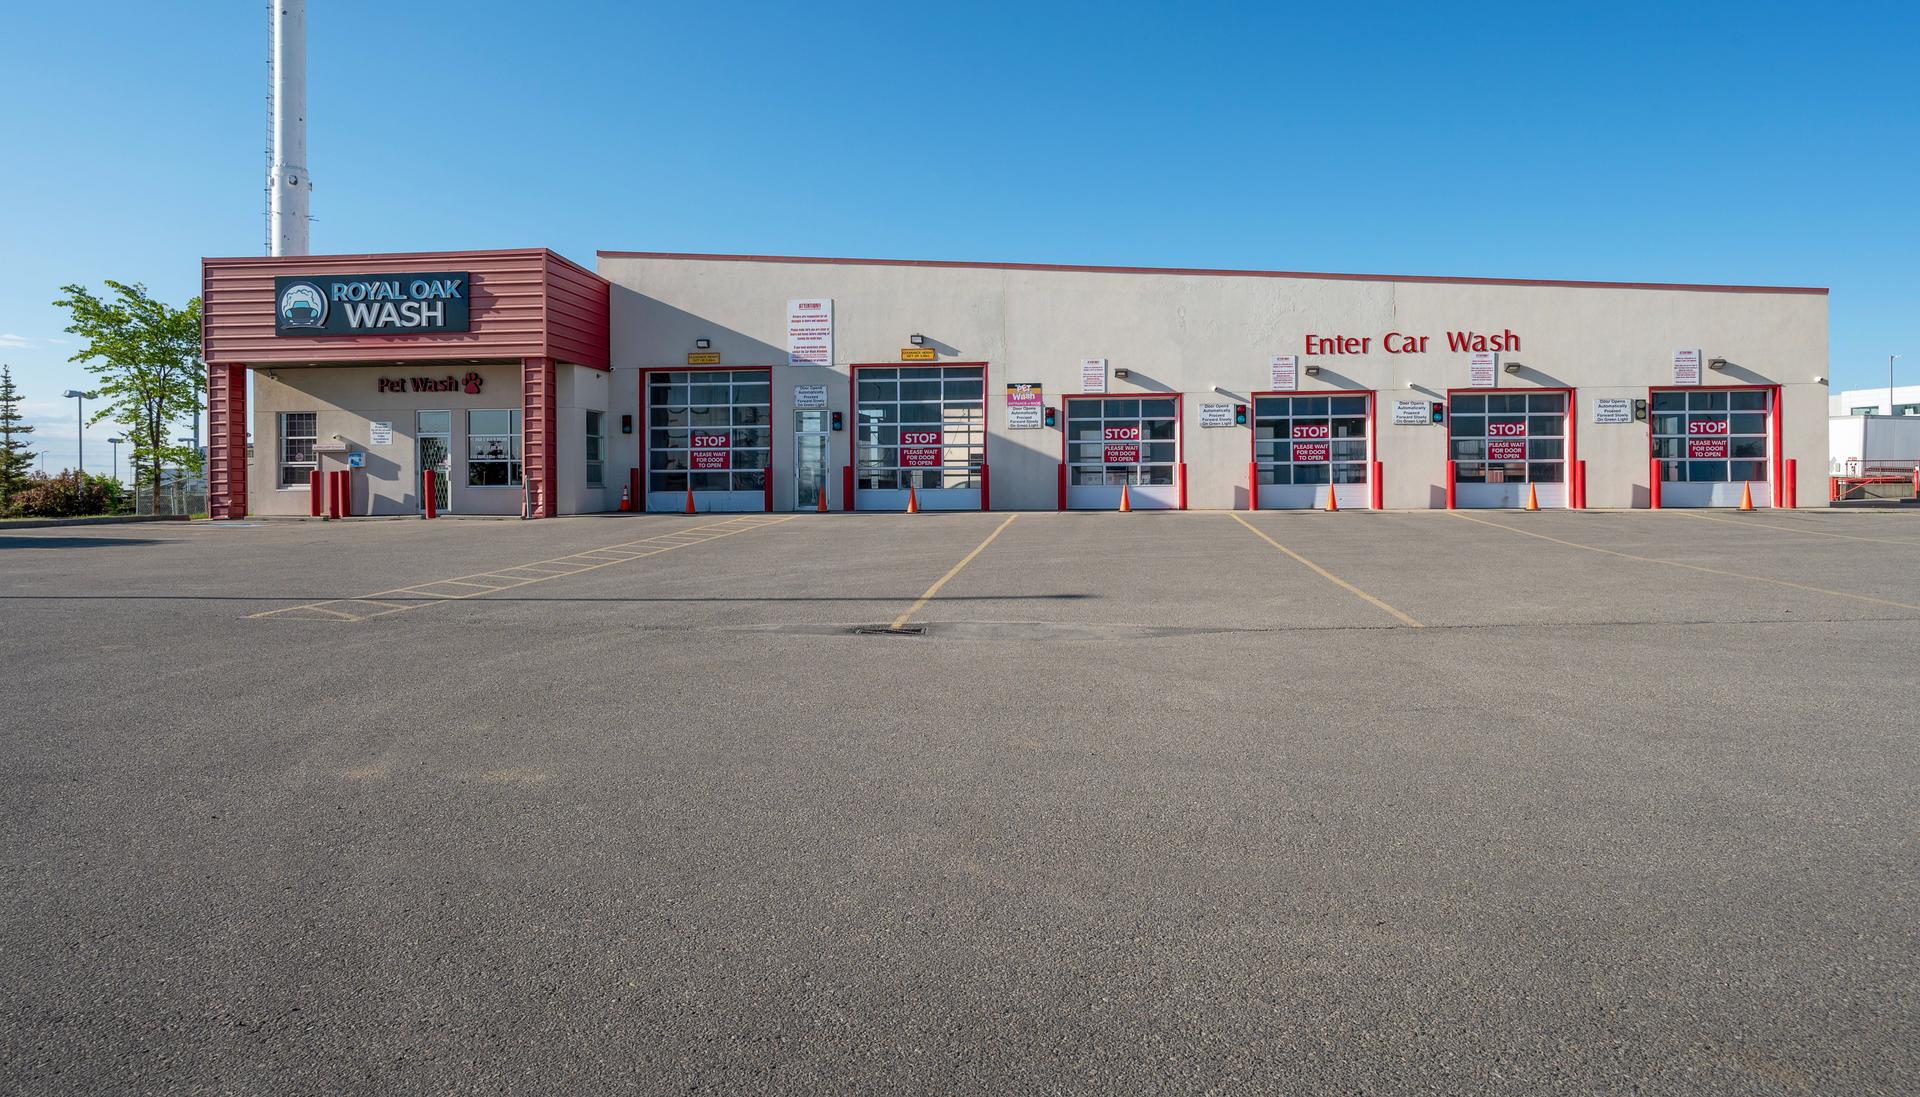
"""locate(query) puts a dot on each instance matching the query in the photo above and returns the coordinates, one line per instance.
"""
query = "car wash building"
(515, 382)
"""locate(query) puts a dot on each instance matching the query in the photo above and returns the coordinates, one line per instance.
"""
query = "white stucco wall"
(1187, 333)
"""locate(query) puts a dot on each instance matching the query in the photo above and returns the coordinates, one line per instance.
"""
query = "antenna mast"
(289, 188)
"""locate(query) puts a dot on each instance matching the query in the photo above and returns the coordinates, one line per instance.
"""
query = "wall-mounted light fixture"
(1313, 371)
(703, 344)
(1512, 367)
(917, 339)
(1120, 375)
(1716, 363)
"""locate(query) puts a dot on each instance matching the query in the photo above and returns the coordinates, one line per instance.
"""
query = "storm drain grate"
(889, 630)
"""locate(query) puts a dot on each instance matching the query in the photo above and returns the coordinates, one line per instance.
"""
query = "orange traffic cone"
(1332, 503)
(689, 509)
(822, 505)
(913, 501)
(1746, 495)
(626, 499)
(1126, 504)
(1533, 498)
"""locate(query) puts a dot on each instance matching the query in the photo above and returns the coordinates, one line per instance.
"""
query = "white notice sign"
(379, 433)
(1093, 375)
(1412, 413)
(1482, 368)
(810, 332)
(1216, 415)
(1286, 372)
(809, 396)
(1613, 411)
(1686, 367)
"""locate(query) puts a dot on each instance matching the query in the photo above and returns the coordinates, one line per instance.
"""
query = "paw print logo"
(471, 384)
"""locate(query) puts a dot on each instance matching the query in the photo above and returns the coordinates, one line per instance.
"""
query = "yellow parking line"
(900, 621)
(1790, 529)
(574, 566)
(1691, 567)
(1331, 577)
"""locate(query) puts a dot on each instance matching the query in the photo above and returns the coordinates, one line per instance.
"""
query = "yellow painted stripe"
(900, 621)
(1331, 577)
(1790, 529)
(1692, 567)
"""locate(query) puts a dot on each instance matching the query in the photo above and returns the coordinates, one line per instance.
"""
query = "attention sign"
(1026, 407)
(711, 451)
(353, 304)
(920, 449)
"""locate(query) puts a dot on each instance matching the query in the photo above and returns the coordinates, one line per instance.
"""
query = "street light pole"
(80, 420)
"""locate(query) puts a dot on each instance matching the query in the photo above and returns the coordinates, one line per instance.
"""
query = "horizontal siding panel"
(515, 298)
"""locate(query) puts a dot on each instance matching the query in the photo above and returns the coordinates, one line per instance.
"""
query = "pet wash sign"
(359, 304)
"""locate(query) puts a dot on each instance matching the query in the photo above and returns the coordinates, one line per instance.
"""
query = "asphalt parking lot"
(1392, 803)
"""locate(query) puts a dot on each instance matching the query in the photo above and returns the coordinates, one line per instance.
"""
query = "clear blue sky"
(1696, 142)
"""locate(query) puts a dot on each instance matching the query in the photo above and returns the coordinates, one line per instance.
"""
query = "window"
(298, 432)
(709, 431)
(1510, 437)
(1126, 441)
(596, 445)
(920, 427)
(493, 449)
(1874, 410)
(1711, 437)
(1309, 439)
(1906, 409)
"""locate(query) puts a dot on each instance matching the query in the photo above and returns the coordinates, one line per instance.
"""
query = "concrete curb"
(97, 520)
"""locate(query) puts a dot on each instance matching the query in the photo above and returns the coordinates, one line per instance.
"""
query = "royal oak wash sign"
(355, 304)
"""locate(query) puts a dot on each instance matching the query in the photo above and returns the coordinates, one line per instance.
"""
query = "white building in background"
(1873, 401)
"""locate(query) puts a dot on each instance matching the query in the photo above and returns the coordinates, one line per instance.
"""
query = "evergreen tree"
(15, 455)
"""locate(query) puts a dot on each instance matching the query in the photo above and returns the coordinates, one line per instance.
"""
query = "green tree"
(16, 453)
(146, 354)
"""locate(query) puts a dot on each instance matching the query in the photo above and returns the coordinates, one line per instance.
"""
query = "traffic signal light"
(1053, 417)
(1239, 415)
(1640, 411)
(838, 423)
(1438, 411)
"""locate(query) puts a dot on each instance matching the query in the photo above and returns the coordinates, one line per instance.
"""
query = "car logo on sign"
(303, 305)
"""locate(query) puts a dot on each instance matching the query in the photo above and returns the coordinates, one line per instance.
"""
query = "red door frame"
(1179, 437)
(1775, 468)
(1374, 500)
(1572, 457)
(853, 413)
(646, 426)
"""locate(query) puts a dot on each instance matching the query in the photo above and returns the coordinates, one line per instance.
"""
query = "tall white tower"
(290, 186)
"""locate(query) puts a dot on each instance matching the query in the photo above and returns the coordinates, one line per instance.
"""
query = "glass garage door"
(710, 431)
(1123, 442)
(1501, 442)
(1712, 444)
(1304, 443)
(923, 427)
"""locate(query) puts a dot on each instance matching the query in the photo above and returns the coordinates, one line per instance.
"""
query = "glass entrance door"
(434, 433)
(809, 459)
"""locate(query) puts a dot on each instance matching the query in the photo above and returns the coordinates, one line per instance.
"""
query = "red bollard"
(1451, 473)
(428, 509)
(1790, 489)
(1253, 486)
(1379, 499)
(1653, 486)
(316, 498)
(1580, 485)
(340, 495)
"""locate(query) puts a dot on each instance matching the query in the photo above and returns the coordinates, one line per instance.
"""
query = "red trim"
(853, 413)
(1774, 443)
(1208, 272)
(1571, 458)
(646, 427)
(227, 440)
(539, 436)
(1374, 496)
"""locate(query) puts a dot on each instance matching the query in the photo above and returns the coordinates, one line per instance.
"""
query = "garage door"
(1712, 444)
(711, 431)
(1123, 442)
(919, 427)
(1503, 442)
(1302, 444)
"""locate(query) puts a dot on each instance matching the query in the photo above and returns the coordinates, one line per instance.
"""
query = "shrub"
(68, 495)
